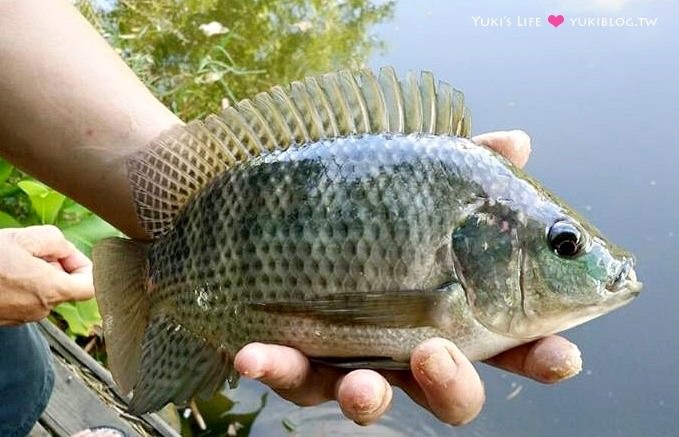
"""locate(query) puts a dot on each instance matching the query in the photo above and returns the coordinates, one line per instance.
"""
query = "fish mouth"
(625, 279)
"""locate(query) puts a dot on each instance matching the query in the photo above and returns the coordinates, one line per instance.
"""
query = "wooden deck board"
(85, 395)
(74, 407)
(39, 431)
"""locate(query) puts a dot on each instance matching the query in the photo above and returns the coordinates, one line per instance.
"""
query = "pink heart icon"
(555, 20)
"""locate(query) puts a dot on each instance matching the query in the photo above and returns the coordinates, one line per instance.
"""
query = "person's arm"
(71, 110)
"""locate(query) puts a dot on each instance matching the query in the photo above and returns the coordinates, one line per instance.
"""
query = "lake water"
(600, 103)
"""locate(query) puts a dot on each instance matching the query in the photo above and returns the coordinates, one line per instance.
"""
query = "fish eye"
(565, 239)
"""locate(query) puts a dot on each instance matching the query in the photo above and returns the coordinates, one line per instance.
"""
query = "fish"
(348, 215)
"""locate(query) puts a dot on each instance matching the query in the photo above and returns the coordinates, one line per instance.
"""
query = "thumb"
(75, 285)
(513, 145)
(73, 281)
(44, 241)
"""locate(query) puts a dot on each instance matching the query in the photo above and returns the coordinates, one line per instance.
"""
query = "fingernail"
(247, 373)
(571, 363)
(369, 402)
(558, 365)
(255, 373)
(438, 368)
(252, 367)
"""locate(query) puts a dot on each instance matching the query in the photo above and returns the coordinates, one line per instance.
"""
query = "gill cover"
(520, 281)
(488, 262)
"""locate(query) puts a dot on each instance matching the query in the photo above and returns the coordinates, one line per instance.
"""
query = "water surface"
(601, 106)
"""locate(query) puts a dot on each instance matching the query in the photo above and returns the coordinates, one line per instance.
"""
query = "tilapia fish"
(351, 217)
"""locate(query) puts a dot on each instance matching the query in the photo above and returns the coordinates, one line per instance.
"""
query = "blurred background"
(598, 93)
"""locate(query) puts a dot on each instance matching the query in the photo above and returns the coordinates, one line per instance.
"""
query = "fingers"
(75, 261)
(513, 145)
(288, 372)
(443, 381)
(548, 360)
(46, 242)
(60, 267)
(55, 285)
(364, 396)
(449, 383)
(75, 286)
(72, 278)
(76, 278)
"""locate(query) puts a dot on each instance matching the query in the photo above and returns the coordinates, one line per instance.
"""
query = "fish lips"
(625, 281)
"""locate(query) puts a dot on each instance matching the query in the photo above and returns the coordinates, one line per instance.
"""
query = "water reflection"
(284, 419)
(599, 103)
(192, 56)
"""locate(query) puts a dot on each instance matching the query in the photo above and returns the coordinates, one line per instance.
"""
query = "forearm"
(70, 109)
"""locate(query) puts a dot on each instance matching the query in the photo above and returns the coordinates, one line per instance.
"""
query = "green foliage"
(219, 419)
(81, 317)
(87, 231)
(6, 170)
(7, 221)
(46, 202)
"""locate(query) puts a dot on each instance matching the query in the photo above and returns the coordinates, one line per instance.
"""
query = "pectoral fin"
(393, 309)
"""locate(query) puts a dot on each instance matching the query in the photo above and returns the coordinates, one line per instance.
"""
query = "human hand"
(442, 379)
(39, 269)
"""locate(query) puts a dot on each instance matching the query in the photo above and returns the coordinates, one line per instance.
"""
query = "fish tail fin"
(153, 356)
(120, 272)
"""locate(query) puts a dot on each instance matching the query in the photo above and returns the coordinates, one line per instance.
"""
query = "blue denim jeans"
(26, 379)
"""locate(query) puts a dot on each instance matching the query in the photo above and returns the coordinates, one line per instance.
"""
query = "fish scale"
(346, 216)
(231, 209)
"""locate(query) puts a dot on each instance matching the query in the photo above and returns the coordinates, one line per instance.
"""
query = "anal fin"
(176, 365)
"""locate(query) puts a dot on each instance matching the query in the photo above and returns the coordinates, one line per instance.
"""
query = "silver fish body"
(373, 214)
(352, 249)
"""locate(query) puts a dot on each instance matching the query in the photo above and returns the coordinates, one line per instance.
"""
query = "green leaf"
(5, 170)
(45, 201)
(87, 232)
(72, 208)
(7, 190)
(72, 213)
(81, 317)
(220, 422)
(7, 221)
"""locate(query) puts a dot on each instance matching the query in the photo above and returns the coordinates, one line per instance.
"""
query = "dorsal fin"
(184, 159)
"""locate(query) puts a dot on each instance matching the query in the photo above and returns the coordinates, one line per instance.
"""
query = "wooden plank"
(39, 431)
(74, 407)
(73, 354)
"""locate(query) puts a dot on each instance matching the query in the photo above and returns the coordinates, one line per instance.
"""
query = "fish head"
(531, 272)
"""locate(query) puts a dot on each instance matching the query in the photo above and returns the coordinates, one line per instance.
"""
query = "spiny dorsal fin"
(183, 160)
